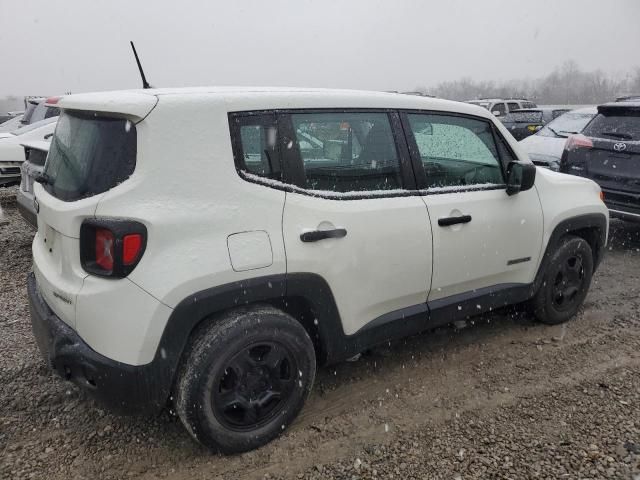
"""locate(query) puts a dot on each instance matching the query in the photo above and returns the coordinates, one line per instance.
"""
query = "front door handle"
(316, 235)
(448, 221)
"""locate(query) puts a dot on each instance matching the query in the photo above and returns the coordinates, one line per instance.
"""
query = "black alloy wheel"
(568, 282)
(254, 385)
(565, 282)
(244, 378)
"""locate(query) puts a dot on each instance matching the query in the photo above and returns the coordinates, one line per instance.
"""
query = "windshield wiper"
(558, 133)
(622, 135)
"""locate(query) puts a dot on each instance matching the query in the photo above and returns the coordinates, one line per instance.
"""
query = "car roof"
(585, 110)
(612, 106)
(140, 102)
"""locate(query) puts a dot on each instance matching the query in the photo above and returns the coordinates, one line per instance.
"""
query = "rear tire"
(565, 283)
(244, 378)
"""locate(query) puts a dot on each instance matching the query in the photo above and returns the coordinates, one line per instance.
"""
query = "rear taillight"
(111, 247)
(575, 142)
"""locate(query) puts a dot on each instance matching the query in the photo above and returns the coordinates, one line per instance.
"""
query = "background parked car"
(10, 125)
(500, 107)
(8, 116)
(12, 151)
(38, 109)
(608, 152)
(526, 122)
(545, 147)
(35, 153)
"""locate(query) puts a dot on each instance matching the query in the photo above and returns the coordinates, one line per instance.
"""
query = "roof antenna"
(145, 84)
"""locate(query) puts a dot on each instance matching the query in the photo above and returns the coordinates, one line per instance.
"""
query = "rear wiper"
(44, 179)
(622, 135)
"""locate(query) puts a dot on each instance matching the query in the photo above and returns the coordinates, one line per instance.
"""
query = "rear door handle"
(316, 235)
(448, 221)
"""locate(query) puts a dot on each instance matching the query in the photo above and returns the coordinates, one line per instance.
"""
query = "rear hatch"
(35, 154)
(94, 148)
(523, 123)
(610, 154)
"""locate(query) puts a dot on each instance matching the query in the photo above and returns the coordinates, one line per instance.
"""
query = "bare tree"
(567, 85)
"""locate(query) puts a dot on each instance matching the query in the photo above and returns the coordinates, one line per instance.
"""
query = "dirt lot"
(503, 398)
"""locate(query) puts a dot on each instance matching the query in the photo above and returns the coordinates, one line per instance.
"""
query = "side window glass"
(256, 146)
(498, 109)
(456, 151)
(347, 152)
(513, 106)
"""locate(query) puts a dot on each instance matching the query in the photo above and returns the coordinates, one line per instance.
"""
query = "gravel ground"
(505, 398)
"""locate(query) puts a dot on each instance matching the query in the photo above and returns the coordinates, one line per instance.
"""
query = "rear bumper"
(622, 205)
(26, 208)
(120, 387)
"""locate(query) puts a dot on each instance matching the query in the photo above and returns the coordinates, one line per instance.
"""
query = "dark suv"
(608, 152)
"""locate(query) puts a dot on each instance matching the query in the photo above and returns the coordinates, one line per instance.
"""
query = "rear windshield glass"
(624, 125)
(566, 124)
(526, 117)
(89, 155)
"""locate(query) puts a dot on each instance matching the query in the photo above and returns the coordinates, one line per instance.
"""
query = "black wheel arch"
(591, 227)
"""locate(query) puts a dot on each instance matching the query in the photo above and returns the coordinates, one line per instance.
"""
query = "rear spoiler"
(42, 145)
(620, 107)
(132, 103)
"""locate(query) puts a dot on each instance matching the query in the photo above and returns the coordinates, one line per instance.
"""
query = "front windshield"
(564, 125)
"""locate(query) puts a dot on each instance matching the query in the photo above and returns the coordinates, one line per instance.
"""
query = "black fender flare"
(596, 223)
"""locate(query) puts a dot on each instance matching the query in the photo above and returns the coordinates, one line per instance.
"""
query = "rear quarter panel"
(189, 196)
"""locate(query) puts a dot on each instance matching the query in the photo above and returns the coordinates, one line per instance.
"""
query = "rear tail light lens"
(111, 247)
(104, 249)
(578, 141)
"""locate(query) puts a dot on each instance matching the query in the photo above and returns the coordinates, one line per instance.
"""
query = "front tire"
(565, 283)
(244, 379)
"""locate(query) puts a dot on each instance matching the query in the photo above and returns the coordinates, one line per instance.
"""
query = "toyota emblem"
(620, 147)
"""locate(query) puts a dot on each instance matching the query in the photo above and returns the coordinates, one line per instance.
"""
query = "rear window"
(89, 155)
(622, 125)
(566, 124)
(526, 117)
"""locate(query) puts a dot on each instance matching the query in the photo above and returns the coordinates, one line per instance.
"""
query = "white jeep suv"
(209, 247)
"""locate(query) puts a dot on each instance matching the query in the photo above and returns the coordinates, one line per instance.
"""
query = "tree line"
(565, 85)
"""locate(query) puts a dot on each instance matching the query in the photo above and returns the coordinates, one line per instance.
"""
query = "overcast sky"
(50, 47)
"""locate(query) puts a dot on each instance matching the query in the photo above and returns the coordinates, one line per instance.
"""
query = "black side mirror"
(520, 177)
